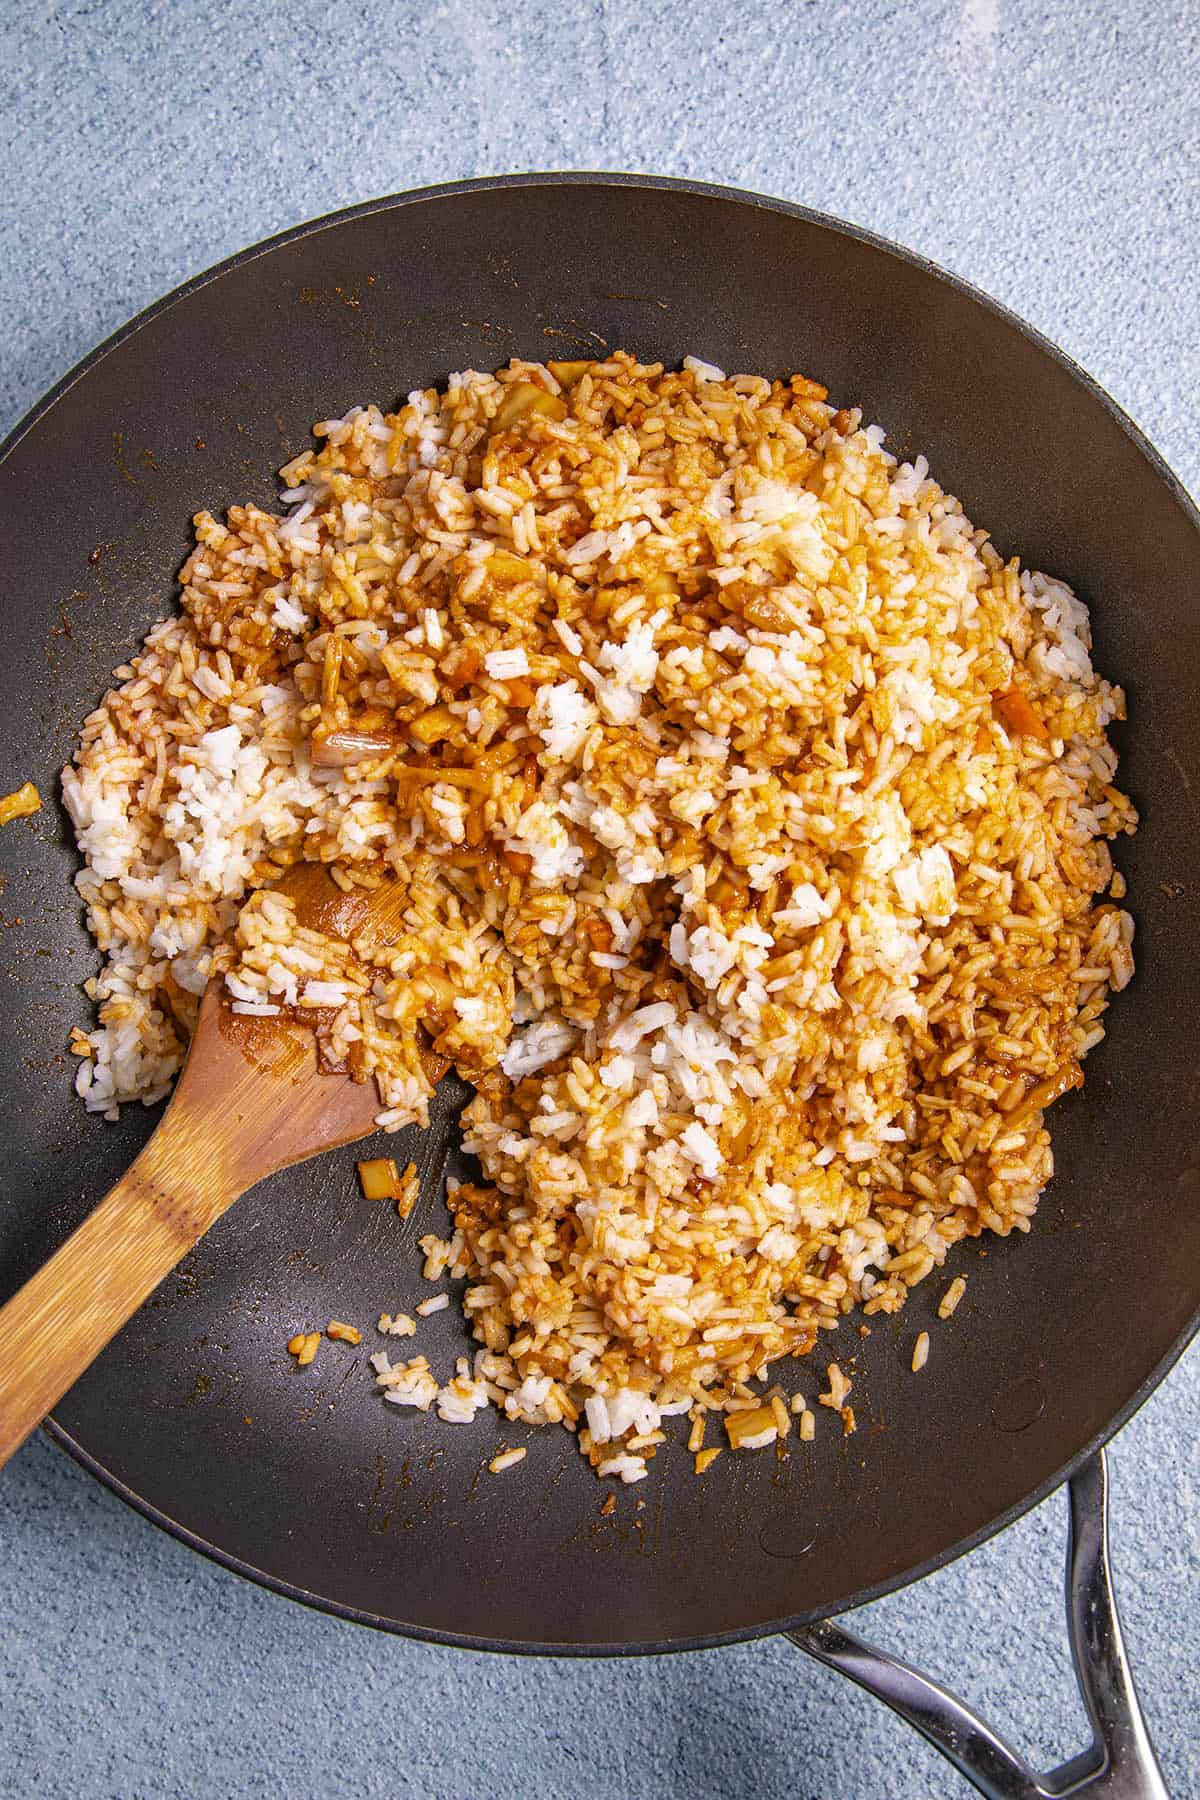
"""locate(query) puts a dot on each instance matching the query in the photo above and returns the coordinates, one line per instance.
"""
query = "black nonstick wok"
(302, 1479)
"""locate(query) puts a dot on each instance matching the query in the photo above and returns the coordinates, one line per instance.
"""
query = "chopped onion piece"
(339, 749)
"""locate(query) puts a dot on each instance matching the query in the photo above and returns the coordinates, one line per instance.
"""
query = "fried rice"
(752, 812)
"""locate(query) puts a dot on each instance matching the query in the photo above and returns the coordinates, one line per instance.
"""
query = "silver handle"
(1119, 1764)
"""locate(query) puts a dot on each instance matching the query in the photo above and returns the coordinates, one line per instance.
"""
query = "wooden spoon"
(250, 1100)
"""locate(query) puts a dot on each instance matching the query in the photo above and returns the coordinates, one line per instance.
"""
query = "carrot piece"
(1017, 715)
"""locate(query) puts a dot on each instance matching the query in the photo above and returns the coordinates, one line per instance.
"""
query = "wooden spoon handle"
(60, 1321)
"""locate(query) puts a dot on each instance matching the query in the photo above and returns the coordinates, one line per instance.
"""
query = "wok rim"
(715, 1640)
(1157, 463)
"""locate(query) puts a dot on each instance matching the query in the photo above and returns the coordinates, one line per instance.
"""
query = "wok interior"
(305, 1478)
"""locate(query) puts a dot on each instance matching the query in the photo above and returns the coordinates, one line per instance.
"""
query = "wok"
(301, 1478)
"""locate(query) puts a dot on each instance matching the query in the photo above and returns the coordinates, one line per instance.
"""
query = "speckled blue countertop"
(1048, 154)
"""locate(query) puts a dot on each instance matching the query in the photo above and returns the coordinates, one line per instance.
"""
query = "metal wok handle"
(1119, 1764)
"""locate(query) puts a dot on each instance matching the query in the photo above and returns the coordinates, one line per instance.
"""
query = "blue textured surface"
(1048, 156)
